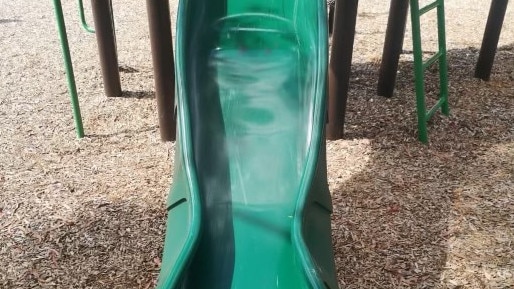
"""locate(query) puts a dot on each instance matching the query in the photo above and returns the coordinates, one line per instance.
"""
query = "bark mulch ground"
(91, 213)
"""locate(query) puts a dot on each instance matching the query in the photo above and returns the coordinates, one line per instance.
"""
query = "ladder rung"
(428, 7)
(432, 59)
(438, 105)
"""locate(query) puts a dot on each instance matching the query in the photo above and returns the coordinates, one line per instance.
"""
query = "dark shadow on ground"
(141, 94)
(127, 69)
(391, 220)
(102, 239)
(129, 132)
(5, 21)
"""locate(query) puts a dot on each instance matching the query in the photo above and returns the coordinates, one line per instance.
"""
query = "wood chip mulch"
(91, 213)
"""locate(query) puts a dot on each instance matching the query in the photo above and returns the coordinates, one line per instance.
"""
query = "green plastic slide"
(250, 207)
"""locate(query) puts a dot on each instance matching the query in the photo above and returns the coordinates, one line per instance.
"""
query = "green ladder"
(420, 67)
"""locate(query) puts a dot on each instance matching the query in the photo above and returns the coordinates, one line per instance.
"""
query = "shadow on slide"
(249, 207)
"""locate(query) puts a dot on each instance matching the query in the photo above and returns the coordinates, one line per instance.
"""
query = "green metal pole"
(69, 68)
(443, 65)
(418, 71)
(83, 18)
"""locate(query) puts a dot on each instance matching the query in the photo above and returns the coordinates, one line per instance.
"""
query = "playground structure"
(490, 40)
(189, 205)
(342, 21)
(345, 15)
(394, 43)
(162, 54)
(251, 79)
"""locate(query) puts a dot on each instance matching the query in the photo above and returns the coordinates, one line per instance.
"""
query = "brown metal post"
(163, 65)
(331, 12)
(393, 46)
(491, 37)
(106, 39)
(340, 65)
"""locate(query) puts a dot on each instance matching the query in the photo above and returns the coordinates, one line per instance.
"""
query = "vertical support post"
(393, 46)
(331, 12)
(491, 38)
(70, 76)
(340, 65)
(106, 39)
(163, 64)
(443, 62)
(419, 72)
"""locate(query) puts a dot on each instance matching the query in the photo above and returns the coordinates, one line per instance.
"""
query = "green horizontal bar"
(438, 105)
(432, 59)
(428, 7)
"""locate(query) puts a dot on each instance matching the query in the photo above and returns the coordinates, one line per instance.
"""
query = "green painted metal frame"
(83, 21)
(420, 66)
(70, 77)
